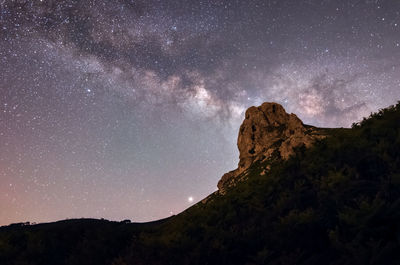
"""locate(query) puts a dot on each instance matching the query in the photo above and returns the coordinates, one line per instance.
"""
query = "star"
(120, 98)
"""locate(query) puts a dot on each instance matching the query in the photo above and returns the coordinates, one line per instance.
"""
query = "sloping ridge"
(336, 202)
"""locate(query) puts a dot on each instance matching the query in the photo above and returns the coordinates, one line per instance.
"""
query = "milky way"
(130, 109)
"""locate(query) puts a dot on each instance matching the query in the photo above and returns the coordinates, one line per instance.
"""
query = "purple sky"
(126, 109)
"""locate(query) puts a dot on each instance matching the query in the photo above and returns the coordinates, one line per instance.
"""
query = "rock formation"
(268, 132)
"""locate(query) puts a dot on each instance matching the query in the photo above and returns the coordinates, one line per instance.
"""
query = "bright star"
(190, 199)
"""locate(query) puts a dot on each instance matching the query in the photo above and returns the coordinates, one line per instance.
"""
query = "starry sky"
(127, 109)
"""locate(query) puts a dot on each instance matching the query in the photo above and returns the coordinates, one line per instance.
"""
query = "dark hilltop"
(300, 195)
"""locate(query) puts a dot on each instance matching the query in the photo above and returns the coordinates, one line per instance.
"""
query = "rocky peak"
(268, 131)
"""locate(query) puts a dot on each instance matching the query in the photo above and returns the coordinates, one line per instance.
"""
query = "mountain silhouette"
(300, 195)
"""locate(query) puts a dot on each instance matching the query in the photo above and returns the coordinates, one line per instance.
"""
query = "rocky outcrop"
(268, 132)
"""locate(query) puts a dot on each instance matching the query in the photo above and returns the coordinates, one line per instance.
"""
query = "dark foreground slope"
(335, 203)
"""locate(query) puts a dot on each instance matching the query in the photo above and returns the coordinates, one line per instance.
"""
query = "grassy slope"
(336, 203)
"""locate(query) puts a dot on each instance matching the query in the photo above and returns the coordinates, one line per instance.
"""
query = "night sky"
(129, 109)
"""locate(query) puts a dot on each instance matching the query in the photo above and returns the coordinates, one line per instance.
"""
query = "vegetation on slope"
(335, 203)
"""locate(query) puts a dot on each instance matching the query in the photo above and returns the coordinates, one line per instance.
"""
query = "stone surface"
(268, 131)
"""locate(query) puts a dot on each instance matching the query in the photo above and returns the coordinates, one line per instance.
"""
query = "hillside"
(335, 201)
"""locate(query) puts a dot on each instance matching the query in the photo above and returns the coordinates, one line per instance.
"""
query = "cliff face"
(268, 131)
